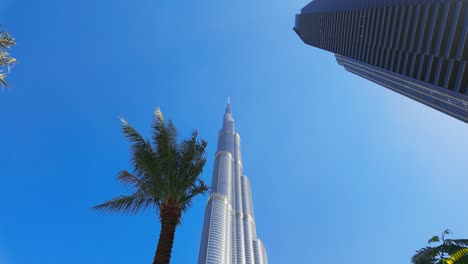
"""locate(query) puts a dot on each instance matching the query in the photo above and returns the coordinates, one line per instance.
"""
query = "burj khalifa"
(229, 234)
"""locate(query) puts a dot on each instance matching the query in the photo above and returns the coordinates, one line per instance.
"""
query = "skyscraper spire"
(228, 108)
(228, 123)
(229, 232)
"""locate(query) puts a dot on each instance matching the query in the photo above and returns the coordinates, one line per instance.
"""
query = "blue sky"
(342, 170)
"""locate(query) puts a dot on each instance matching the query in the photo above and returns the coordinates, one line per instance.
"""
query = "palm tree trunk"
(169, 220)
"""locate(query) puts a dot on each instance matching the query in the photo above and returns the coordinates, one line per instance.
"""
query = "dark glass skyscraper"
(418, 48)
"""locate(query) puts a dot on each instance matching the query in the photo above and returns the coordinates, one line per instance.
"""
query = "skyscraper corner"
(229, 231)
(418, 48)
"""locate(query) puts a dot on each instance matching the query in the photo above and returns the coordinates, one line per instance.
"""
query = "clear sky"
(342, 170)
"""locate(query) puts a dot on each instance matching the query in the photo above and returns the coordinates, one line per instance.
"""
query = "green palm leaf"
(143, 157)
(126, 204)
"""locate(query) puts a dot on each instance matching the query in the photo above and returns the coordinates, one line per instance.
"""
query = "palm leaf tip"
(125, 204)
(124, 122)
(158, 114)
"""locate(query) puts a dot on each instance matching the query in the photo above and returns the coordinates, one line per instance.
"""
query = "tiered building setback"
(229, 233)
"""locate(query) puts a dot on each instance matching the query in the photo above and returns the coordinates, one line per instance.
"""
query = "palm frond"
(198, 188)
(186, 201)
(190, 163)
(425, 255)
(6, 61)
(126, 177)
(126, 204)
(172, 133)
(164, 135)
(457, 256)
(457, 242)
(143, 157)
(442, 253)
(166, 151)
(6, 40)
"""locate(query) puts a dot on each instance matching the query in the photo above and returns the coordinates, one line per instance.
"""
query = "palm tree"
(165, 178)
(450, 251)
(6, 61)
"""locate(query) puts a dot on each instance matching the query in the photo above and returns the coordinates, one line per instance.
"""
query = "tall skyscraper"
(229, 232)
(418, 48)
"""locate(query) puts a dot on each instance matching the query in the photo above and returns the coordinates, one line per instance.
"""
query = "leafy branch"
(450, 251)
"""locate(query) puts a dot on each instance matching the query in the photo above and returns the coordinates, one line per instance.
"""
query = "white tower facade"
(229, 234)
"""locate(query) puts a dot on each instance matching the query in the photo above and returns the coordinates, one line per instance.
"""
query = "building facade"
(229, 232)
(418, 48)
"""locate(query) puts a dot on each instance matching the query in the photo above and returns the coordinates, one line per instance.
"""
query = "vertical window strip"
(451, 74)
(365, 34)
(375, 33)
(415, 30)
(455, 27)
(433, 29)
(347, 28)
(444, 29)
(395, 25)
(372, 36)
(412, 63)
(404, 13)
(424, 27)
(462, 78)
(462, 50)
(421, 66)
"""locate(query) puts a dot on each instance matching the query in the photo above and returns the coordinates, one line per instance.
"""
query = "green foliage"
(165, 172)
(450, 251)
(6, 61)
(461, 257)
